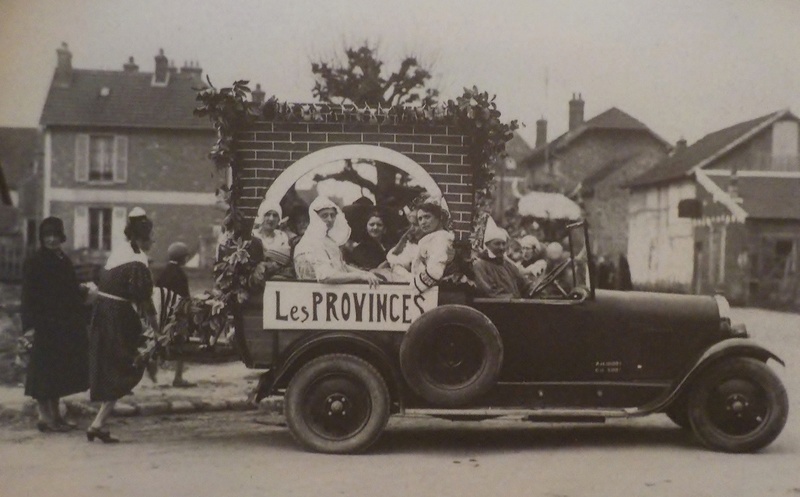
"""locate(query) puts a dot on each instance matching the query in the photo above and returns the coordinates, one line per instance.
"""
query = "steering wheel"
(551, 277)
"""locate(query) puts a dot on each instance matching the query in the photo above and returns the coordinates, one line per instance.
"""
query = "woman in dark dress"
(124, 302)
(371, 252)
(52, 305)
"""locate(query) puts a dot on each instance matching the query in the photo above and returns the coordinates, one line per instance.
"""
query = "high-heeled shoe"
(104, 436)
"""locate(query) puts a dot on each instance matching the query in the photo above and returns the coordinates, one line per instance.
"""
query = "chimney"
(172, 68)
(161, 75)
(541, 132)
(680, 145)
(575, 111)
(130, 66)
(258, 94)
(63, 76)
(193, 68)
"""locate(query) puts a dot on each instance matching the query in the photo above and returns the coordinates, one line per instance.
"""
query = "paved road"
(244, 454)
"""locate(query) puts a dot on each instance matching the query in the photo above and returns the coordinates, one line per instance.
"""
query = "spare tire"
(451, 355)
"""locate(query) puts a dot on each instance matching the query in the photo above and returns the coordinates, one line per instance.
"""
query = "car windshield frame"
(583, 225)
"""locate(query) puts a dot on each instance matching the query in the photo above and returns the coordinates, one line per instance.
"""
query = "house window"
(101, 158)
(100, 228)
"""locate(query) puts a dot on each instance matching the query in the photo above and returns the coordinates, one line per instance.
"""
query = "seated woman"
(402, 255)
(371, 252)
(435, 247)
(532, 265)
(318, 256)
(271, 244)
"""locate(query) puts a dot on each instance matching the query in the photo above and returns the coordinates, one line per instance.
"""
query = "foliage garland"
(236, 275)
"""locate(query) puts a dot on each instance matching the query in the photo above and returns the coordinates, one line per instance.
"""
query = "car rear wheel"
(451, 355)
(337, 404)
(739, 405)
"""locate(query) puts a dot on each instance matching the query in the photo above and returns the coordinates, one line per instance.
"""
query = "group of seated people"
(317, 245)
(319, 248)
(499, 273)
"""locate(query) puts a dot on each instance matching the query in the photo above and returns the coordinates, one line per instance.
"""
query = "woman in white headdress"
(435, 249)
(318, 255)
(116, 330)
(273, 243)
(532, 265)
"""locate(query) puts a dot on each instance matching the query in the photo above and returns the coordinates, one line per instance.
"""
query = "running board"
(555, 415)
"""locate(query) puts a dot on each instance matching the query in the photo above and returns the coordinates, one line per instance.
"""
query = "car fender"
(331, 343)
(732, 347)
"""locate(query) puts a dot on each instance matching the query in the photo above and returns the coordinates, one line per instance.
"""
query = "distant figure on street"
(174, 278)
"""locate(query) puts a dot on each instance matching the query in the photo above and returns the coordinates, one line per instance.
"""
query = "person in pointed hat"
(495, 275)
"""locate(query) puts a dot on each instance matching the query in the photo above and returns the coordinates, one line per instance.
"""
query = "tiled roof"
(132, 101)
(766, 197)
(605, 171)
(17, 152)
(681, 163)
(611, 119)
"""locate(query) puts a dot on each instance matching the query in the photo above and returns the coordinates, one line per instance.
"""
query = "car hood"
(660, 309)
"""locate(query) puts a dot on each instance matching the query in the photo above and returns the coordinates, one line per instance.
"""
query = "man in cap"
(495, 275)
(174, 278)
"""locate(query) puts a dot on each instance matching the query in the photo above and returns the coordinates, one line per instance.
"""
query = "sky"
(684, 68)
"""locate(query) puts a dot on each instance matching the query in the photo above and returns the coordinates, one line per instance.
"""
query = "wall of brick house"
(158, 160)
(265, 149)
(607, 208)
(193, 225)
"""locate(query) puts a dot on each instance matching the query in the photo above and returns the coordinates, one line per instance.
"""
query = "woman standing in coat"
(124, 303)
(52, 305)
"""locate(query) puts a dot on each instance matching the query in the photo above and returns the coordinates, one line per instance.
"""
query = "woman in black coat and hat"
(52, 305)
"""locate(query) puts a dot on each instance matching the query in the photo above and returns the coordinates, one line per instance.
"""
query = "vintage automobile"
(346, 357)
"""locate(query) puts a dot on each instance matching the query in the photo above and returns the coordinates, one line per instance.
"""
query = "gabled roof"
(132, 101)
(766, 197)
(17, 152)
(683, 162)
(517, 148)
(611, 119)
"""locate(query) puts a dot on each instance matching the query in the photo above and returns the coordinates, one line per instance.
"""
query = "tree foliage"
(360, 81)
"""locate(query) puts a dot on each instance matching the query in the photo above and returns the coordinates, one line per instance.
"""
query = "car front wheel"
(337, 404)
(738, 405)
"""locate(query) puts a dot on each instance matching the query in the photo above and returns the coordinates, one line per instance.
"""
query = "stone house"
(112, 140)
(591, 163)
(722, 215)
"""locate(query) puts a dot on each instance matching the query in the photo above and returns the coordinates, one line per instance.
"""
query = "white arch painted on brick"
(313, 160)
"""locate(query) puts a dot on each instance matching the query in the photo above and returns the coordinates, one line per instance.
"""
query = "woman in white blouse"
(435, 248)
(318, 255)
(275, 248)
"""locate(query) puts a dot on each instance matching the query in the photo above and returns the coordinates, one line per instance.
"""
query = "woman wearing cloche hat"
(52, 306)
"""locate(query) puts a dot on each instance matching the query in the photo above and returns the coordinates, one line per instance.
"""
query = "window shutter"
(120, 159)
(80, 229)
(82, 158)
(118, 218)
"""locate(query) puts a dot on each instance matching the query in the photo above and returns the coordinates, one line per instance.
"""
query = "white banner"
(307, 305)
